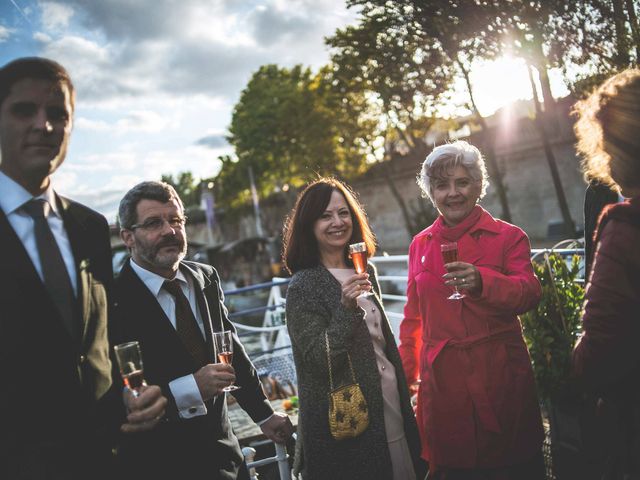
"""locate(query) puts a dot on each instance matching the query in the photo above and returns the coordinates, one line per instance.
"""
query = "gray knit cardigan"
(313, 307)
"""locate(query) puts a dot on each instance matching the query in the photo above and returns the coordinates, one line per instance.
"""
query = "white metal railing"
(281, 457)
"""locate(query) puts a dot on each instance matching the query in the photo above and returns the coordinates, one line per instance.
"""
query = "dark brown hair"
(37, 68)
(300, 246)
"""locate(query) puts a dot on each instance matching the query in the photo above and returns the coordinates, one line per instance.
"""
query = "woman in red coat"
(607, 357)
(477, 411)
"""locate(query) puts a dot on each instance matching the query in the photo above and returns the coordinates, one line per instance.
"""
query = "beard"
(152, 255)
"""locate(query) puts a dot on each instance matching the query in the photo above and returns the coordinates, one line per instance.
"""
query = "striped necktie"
(186, 324)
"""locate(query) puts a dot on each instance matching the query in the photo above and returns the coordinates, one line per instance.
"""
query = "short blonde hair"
(449, 156)
(608, 131)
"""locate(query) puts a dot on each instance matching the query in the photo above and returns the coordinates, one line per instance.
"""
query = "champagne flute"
(131, 368)
(358, 255)
(223, 342)
(450, 254)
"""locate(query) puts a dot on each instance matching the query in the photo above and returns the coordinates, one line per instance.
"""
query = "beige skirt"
(401, 460)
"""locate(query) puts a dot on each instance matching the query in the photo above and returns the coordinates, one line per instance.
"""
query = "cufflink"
(193, 410)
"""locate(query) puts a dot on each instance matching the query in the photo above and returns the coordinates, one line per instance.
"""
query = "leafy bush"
(551, 329)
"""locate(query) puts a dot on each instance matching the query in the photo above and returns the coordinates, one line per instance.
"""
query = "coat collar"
(486, 223)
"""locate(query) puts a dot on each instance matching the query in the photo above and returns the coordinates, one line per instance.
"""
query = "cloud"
(5, 33)
(216, 140)
(89, 124)
(55, 15)
(143, 121)
(272, 25)
(186, 48)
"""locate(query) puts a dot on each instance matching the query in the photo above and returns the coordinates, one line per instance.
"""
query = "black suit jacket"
(183, 447)
(55, 402)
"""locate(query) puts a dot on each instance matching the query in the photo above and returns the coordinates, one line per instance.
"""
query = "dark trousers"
(532, 469)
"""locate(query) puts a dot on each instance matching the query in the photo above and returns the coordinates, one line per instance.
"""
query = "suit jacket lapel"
(145, 313)
(79, 240)
(145, 304)
(17, 265)
(200, 283)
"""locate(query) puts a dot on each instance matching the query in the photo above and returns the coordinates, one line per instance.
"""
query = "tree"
(186, 186)
(456, 27)
(439, 28)
(605, 39)
(383, 60)
(528, 29)
(288, 127)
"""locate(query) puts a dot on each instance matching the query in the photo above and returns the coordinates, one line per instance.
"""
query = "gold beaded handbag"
(348, 412)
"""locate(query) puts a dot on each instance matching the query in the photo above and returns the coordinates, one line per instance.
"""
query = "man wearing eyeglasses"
(172, 307)
(58, 399)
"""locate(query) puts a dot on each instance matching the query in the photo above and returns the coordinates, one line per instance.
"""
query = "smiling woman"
(477, 408)
(325, 306)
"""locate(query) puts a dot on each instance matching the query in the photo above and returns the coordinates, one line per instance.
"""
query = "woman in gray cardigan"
(325, 296)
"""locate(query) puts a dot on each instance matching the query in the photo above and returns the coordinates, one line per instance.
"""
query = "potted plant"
(552, 328)
(550, 331)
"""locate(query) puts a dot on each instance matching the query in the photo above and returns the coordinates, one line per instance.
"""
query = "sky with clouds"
(157, 80)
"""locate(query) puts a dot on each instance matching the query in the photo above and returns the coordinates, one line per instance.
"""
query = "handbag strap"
(326, 342)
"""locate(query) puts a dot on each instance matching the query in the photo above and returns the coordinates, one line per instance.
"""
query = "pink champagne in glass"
(223, 342)
(358, 254)
(225, 357)
(450, 254)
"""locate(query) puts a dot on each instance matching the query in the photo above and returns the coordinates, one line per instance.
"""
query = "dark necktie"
(54, 270)
(186, 324)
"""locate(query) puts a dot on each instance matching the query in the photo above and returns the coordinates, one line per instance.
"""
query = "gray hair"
(158, 191)
(449, 156)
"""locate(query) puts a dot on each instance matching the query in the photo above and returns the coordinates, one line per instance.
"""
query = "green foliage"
(288, 126)
(606, 39)
(186, 186)
(404, 73)
(551, 330)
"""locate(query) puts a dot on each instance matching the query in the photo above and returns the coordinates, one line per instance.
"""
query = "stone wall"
(526, 176)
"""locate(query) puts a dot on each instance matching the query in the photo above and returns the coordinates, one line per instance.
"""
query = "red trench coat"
(477, 403)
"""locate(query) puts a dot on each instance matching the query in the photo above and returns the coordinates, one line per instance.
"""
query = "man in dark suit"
(172, 307)
(57, 401)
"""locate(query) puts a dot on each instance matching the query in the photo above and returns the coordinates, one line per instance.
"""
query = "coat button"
(192, 410)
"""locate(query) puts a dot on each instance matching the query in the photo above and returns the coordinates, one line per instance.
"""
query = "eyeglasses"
(155, 224)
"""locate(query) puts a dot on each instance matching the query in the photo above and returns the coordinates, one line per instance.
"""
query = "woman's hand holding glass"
(464, 276)
(353, 287)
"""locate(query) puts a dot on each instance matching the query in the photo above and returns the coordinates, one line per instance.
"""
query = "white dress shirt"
(184, 389)
(12, 197)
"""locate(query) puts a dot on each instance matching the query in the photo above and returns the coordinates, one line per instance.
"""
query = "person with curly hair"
(606, 358)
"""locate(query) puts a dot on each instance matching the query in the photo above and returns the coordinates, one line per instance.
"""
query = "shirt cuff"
(187, 396)
(261, 422)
